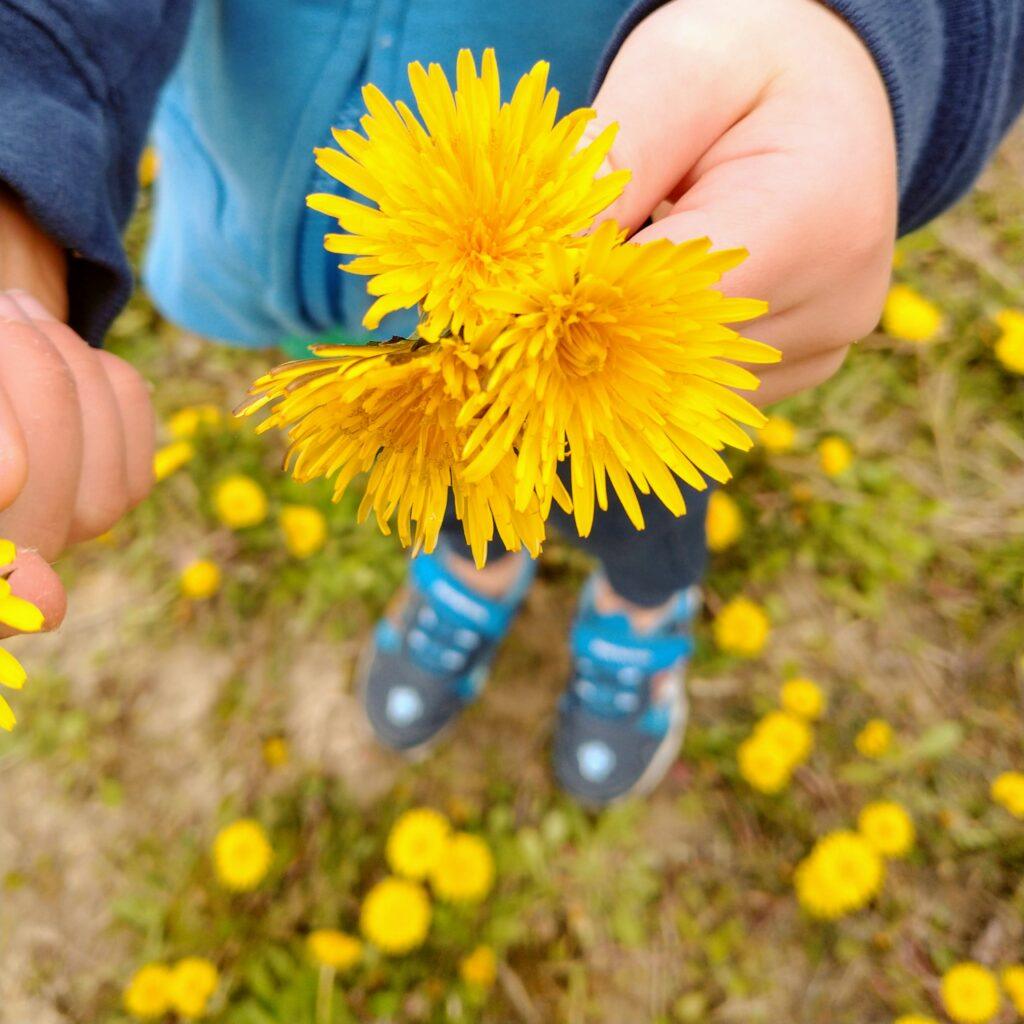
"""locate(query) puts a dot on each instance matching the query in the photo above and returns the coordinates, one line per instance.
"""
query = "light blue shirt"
(235, 254)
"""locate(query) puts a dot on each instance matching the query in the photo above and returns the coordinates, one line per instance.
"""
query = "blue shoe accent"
(426, 664)
(622, 717)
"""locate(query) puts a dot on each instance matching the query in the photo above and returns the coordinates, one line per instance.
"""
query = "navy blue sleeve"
(955, 74)
(78, 83)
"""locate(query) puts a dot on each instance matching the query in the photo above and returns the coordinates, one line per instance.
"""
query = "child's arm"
(78, 80)
(769, 124)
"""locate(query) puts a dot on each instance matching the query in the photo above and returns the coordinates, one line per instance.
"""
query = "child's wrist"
(29, 258)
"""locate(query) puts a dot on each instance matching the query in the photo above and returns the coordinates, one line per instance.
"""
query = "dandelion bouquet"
(540, 340)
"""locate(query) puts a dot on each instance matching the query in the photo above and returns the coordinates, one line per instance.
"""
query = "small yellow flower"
(18, 613)
(875, 739)
(724, 525)
(480, 968)
(240, 502)
(395, 915)
(914, 1018)
(790, 735)
(887, 827)
(200, 579)
(186, 423)
(1010, 343)
(464, 873)
(742, 628)
(331, 948)
(149, 166)
(304, 528)
(841, 874)
(910, 316)
(763, 765)
(275, 751)
(192, 982)
(171, 458)
(416, 842)
(1013, 983)
(148, 994)
(241, 854)
(803, 698)
(1007, 790)
(970, 993)
(835, 456)
(778, 435)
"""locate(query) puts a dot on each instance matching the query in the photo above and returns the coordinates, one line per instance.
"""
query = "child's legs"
(643, 567)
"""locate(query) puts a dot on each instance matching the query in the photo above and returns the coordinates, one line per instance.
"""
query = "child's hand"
(764, 124)
(76, 443)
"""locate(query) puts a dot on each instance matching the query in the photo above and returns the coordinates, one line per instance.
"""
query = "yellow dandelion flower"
(914, 1018)
(1009, 346)
(778, 435)
(970, 993)
(170, 458)
(803, 698)
(395, 916)
(842, 874)
(1012, 979)
(1007, 790)
(275, 751)
(390, 411)
(835, 456)
(193, 980)
(764, 765)
(18, 613)
(618, 355)
(149, 166)
(479, 968)
(466, 194)
(241, 855)
(147, 994)
(789, 734)
(200, 580)
(464, 873)
(416, 842)
(724, 524)
(331, 948)
(887, 827)
(304, 528)
(908, 315)
(184, 424)
(240, 502)
(741, 627)
(875, 739)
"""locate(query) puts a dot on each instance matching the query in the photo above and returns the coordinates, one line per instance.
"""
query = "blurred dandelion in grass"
(192, 982)
(835, 456)
(395, 916)
(778, 435)
(741, 627)
(1009, 347)
(479, 968)
(724, 525)
(464, 871)
(170, 458)
(1012, 979)
(304, 528)
(241, 855)
(909, 316)
(914, 1018)
(970, 993)
(275, 751)
(763, 765)
(184, 424)
(332, 948)
(875, 739)
(1007, 790)
(240, 502)
(887, 827)
(200, 580)
(416, 842)
(804, 698)
(840, 875)
(148, 994)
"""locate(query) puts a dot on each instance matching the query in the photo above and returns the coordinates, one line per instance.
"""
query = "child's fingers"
(34, 580)
(136, 412)
(13, 451)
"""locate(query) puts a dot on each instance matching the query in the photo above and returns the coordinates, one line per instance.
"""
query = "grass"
(898, 586)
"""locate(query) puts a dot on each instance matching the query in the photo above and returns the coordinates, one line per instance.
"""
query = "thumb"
(674, 90)
(32, 579)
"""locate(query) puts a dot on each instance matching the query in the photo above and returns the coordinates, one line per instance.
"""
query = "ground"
(896, 585)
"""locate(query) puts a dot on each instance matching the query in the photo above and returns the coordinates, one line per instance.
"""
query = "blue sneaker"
(622, 718)
(430, 657)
